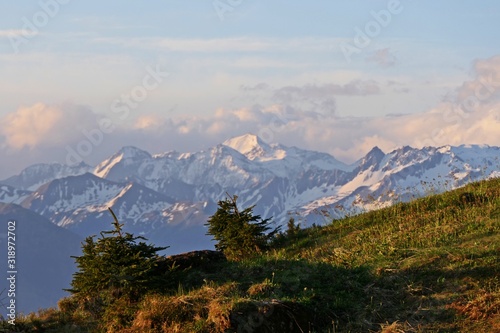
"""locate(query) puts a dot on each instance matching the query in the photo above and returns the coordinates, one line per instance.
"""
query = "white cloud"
(229, 44)
(146, 122)
(484, 87)
(17, 33)
(42, 125)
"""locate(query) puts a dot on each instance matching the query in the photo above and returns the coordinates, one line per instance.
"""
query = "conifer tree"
(238, 233)
(116, 263)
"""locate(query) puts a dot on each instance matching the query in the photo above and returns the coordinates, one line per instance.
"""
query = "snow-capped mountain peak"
(131, 152)
(127, 155)
(245, 143)
(372, 159)
(254, 147)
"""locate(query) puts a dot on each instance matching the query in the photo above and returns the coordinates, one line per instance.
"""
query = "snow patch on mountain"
(10, 194)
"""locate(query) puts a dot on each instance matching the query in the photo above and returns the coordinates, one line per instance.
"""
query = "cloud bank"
(42, 125)
(471, 116)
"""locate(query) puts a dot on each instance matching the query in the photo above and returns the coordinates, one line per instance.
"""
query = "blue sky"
(279, 69)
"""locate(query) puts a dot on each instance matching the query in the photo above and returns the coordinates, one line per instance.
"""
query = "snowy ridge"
(282, 160)
(74, 199)
(154, 193)
(38, 174)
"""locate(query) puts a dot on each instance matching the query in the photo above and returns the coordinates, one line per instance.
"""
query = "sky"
(81, 79)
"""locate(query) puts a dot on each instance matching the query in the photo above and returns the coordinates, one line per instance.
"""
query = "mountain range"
(168, 197)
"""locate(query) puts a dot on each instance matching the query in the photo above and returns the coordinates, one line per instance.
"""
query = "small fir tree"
(238, 233)
(116, 263)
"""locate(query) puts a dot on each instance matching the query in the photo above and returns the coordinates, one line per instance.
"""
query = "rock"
(272, 316)
(195, 259)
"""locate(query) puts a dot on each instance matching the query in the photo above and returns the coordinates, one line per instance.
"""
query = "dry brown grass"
(261, 289)
(203, 310)
(483, 306)
(395, 327)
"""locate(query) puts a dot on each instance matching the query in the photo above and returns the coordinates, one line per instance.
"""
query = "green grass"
(432, 265)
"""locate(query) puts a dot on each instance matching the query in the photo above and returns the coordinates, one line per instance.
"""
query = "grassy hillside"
(432, 265)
